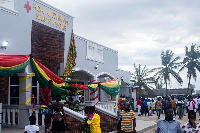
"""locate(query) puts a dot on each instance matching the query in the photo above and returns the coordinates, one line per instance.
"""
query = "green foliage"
(141, 78)
(71, 92)
(169, 64)
(191, 62)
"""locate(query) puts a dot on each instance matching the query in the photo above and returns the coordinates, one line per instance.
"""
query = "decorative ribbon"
(33, 97)
(93, 81)
(26, 77)
(25, 88)
(27, 102)
(114, 98)
(94, 91)
(115, 106)
(94, 98)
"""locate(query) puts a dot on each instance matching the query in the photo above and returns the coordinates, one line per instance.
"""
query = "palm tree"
(191, 62)
(159, 82)
(168, 65)
(141, 78)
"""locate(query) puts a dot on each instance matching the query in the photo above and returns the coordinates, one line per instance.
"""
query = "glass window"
(34, 91)
(14, 80)
(14, 91)
(34, 81)
(14, 101)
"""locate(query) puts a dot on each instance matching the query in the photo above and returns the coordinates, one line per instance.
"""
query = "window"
(14, 90)
(94, 52)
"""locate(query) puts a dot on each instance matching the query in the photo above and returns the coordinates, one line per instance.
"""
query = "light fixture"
(122, 78)
(96, 66)
(4, 44)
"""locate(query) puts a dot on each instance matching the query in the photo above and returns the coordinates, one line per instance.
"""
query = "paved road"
(155, 119)
(142, 121)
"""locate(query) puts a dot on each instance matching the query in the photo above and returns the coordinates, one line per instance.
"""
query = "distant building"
(180, 91)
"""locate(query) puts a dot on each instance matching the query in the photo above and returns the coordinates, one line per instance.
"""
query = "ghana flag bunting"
(12, 64)
(70, 58)
(111, 87)
(43, 75)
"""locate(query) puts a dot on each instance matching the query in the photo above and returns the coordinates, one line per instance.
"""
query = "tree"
(159, 82)
(169, 65)
(141, 78)
(191, 62)
(72, 91)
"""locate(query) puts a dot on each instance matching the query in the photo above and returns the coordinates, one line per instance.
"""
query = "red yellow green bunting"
(43, 78)
(12, 64)
(111, 87)
(92, 87)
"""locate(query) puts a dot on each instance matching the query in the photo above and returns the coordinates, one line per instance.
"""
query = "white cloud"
(138, 29)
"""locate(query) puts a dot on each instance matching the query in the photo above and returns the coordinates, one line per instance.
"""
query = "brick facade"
(108, 123)
(47, 46)
(4, 84)
(73, 124)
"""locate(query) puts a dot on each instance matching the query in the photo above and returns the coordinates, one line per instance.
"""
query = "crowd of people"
(172, 106)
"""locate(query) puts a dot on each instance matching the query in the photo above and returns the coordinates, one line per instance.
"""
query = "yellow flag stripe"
(93, 85)
(111, 84)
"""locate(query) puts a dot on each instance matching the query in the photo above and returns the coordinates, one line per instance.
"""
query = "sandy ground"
(155, 119)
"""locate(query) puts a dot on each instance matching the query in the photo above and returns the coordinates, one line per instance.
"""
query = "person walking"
(46, 104)
(58, 124)
(168, 124)
(93, 120)
(184, 106)
(127, 120)
(145, 106)
(132, 104)
(32, 128)
(190, 105)
(139, 104)
(191, 126)
(180, 108)
(174, 105)
(152, 106)
(158, 106)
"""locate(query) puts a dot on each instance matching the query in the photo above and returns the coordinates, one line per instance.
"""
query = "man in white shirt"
(32, 128)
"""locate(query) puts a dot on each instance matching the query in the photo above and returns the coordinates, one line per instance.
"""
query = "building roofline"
(124, 71)
(84, 39)
(9, 10)
(53, 8)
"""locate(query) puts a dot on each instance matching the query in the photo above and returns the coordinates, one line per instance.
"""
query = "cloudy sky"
(138, 29)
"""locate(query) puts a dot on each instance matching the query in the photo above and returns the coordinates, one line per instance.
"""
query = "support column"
(25, 83)
(93, 98)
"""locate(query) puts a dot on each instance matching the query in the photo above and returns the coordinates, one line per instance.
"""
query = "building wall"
(110, 58)
(16, 25)
(47, 46)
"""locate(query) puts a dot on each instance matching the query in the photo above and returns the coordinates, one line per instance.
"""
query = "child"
(32, 128)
